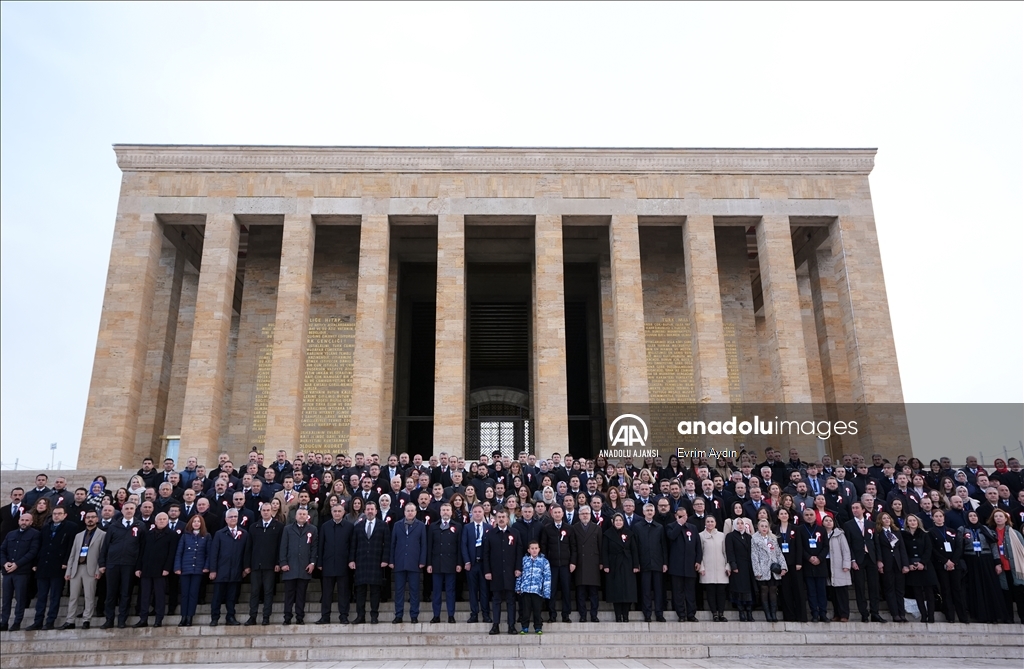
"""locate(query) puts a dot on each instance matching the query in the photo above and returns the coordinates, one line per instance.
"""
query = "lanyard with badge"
(784, 541)
(812, 539)
(976, 540)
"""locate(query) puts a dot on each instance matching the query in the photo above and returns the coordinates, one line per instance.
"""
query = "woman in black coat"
(892, 564)
(741, 576)
(921, 579)
(792, 597)
(156, 563)
(621, 560)
(983, 592)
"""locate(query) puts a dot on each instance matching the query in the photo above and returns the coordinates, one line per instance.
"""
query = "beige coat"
(714, 563)
(91, 565)
(839, 559)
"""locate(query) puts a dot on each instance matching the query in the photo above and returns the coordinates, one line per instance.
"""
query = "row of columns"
(119, 385)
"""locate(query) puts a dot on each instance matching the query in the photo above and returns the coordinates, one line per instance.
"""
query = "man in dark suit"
(41, 490)
(261, 563)
(473, 535)
(554, 544)
(9, 513)
(335, 546)
(408, 556)
(685, 553)
(297, 556)
(368, 556)
(443, 548)
(860, 533)
(227, 558)
(814, 545)
(502, 562)
(17, 556)
(55, 541)
(650, 541)
(119, 561)
(585, 563)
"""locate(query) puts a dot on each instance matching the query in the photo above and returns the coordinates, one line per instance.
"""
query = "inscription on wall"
(670, 361)
(327, 389)
(732, 361)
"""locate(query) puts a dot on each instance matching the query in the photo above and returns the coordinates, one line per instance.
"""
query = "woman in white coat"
(839, 570)
(769, 566)
(714, 570)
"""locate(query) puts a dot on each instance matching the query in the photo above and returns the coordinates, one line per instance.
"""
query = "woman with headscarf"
(984, 596)
(621, 563)
(741, 576)
(96, 492)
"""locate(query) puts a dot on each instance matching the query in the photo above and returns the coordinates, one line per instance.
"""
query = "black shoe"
(374, 621)
(85, 625)
(451, 620)
(181, 623)
(105, 626)
(691, 619)
(140, 625)
(343, 621)
(47, 627)
(594, 619)
(552, 618)
(647, 619)
(300, 621)
(287, 621)
(625, 617)
(324, 621)
(660, 619)
(397, 620)
(566, 619)
(158, 623)
(473, 619)
(266, 621)
(16, 627)
(414, 620)
(494, 630)
(188, 621)
(33, 627)
(487, 619)
(250, 621)
(513, 630)
(4, 627)
(214, 623)
(233, 622)
(824, 619)
(435, 620)
(68, 626)
(359, 620)
(122, 626)
(878, 619)
(583, 618)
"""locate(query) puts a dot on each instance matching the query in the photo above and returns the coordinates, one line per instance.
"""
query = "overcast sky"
(936, 88)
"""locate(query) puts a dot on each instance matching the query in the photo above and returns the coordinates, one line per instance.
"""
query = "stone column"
(204, 391)
(549, 407)
(784, 327)
(366, 433)
(162, 333)
(628, 305)
(450, 337)
(871, 352)
(115, 391)
(704, 305)
(291, 325)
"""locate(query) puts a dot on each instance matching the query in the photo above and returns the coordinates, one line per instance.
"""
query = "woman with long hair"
(774, 498)
(896, 510)
(614, 500)
(792, 597)
(921, 579)
(820, 510)
(839, 559)
(191, 561)
(278, 511)
(460, 509)
(120, 498)
(933, 477)
(714, 569)
(1009, 550)
(893, 564)
(769, 566)
(136, 486)
(41, 512)
(355, 509)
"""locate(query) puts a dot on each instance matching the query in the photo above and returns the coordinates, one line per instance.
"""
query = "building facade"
(427, 299)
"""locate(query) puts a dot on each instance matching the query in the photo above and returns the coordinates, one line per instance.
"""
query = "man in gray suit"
(298, 559)
(83, 572)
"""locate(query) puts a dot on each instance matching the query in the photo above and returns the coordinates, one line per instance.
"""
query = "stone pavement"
(713, 663)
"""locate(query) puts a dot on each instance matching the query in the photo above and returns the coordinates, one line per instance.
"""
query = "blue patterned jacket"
(535, 577)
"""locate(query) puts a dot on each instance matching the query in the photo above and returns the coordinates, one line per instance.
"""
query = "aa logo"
(628, 430)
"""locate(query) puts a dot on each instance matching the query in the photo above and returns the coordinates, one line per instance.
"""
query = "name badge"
(947, 547)
(812, 542)
(977, 546)
(84, 552)
(785, 546)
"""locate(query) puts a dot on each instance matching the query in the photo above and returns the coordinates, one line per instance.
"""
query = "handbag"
(776, 568)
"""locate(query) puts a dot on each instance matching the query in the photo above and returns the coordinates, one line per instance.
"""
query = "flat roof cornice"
(488, 160)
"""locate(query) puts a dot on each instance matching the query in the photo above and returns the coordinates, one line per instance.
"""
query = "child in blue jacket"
(534, 584)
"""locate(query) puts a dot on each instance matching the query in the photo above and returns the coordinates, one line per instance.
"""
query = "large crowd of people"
(541, 539)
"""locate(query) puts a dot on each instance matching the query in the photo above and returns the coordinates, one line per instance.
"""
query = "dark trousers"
(560, 583)
(951, 585)
(48, 592)
(295, 598)
(361, 591)
(841, 601)
(865, 587)
(585, 593)
(684, 599)
(171, 588)
(652, 592)
(479, 591)
(716, 597)
(816, 596)
(412, 578)
(15, 588)
(226, 594)
(509, 597)
(153, 590)
(328, 586)
(119, 579)
(925, 597)
(444, 583)
(261, 588)
(894, 588)
(533, 604)
(1013, 594)
(189, 593)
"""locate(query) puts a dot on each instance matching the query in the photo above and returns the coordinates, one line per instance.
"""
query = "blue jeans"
(816, 596)
(189, 594)
(413, 579)
(445, 583)
(49, 592)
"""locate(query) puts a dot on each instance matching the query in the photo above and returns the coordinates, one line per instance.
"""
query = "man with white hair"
(227, 555)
